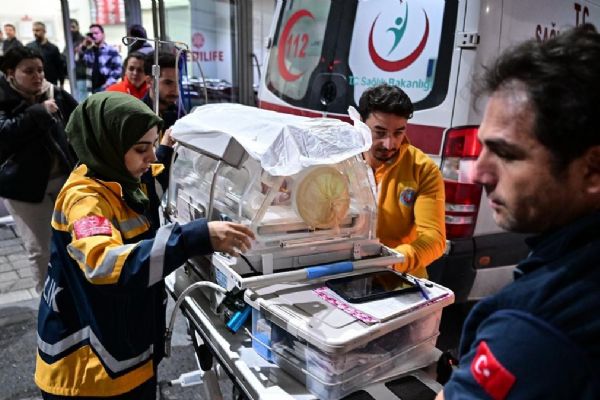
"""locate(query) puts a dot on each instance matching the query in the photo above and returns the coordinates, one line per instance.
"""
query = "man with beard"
(410, 187)
(168, 88)
(53, 62)
(11, 38)
(168, 97)
(102, 61)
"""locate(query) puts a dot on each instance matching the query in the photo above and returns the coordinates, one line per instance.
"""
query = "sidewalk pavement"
(16, 277)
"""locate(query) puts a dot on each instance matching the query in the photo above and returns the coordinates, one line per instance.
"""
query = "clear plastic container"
(334, 375)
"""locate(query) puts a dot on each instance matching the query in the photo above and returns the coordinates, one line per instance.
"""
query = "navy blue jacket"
(101, 318)
(539, 338)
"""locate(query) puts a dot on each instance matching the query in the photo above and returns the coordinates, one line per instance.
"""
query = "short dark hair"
(10, 25)
(74, 21)
(561, 77)
(97, 26)
(385, 98)
(15, 55)
(40, 23)
(137, 30)
(165, 60)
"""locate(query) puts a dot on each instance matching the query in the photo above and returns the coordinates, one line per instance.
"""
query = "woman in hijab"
(101, 319)
(35, 158)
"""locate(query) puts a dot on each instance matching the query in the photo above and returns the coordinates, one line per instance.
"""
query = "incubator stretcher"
(303, 188)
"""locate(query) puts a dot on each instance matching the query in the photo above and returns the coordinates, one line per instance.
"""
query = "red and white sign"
(108, 12)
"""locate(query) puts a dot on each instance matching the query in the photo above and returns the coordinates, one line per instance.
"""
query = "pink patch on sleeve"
(93, 225)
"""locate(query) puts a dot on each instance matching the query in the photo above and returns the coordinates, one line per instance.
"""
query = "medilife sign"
(198, 41)
(214, 55)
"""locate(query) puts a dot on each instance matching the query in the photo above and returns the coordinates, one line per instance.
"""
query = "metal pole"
(242, 45)
(133, 12)
(155, 20)
(64, 5)
(161, 20)
(156, 74)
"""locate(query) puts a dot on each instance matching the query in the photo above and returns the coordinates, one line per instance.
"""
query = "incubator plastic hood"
(300, 183)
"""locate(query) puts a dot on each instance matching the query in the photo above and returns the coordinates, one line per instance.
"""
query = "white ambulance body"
(325, 53)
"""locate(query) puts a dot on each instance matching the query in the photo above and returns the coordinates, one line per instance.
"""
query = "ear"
(148, 79)
(591, 171)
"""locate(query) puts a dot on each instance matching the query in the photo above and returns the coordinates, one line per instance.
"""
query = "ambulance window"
(297, 46)
(326, 53)
(402, 43)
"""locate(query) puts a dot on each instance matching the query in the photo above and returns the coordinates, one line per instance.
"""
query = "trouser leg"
(32, 221)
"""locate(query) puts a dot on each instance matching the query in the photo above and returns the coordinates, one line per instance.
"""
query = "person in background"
(79, 88)
(168, 89)
(140, 46)
(168, 111)
(538, 338)
(1, 42)
(54, 70)
(11, 39)
(102, 61)
(410, 186)
(35, 158)
(134, 79)
(101, 320)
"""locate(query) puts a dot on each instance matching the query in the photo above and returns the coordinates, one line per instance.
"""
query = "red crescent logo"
(283, 70)
(393, 66)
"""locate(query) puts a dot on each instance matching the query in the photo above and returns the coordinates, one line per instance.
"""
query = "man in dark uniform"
(53, 61)
(539, 338)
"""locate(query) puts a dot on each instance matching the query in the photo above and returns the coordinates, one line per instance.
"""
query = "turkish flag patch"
(490, 374)
(93, 225)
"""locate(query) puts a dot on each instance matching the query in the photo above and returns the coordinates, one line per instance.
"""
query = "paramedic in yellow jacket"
(410, 187)
(101, 319)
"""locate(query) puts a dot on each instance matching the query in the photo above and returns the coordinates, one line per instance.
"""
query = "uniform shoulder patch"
(492, 376)
(407, 196)
(92, 225)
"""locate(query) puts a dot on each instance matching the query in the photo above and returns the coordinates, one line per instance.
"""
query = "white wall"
(23, 13)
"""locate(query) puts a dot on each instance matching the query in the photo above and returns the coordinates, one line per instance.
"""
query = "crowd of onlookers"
(98, 65)
(34, 110)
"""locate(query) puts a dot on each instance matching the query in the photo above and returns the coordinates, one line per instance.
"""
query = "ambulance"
(324, 53)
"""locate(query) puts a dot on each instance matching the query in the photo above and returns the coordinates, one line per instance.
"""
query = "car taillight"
(461, 149)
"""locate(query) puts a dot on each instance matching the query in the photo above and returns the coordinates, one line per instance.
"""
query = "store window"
(208, 28)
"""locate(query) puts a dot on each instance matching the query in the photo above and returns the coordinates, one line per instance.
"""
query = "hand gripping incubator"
(302, 186)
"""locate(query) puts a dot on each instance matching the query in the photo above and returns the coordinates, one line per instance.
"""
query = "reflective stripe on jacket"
(102, 314)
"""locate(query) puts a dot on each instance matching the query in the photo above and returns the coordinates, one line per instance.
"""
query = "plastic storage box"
(332, 353)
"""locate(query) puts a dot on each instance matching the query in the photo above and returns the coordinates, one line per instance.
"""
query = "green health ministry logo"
(398, 30)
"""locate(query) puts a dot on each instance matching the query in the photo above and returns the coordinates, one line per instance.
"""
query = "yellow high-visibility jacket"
(410, 219)
(101, 319)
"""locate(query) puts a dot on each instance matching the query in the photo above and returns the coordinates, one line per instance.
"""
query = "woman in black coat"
(35, 158)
